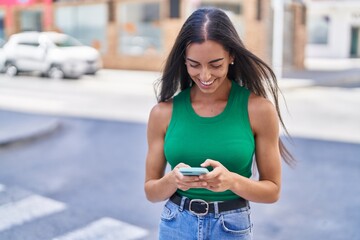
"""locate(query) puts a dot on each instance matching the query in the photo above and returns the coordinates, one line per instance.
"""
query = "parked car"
(52, 54)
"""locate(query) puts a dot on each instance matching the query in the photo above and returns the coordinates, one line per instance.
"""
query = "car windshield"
(66, 41)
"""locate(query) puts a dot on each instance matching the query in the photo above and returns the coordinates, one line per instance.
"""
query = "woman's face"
(207, 64)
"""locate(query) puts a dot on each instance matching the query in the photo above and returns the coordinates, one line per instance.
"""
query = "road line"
(105, 229)
(27, 209)
(2, 188)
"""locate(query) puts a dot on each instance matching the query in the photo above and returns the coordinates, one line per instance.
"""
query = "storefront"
(134, 34)
(25, 15)
(137, 34)
(334, 29)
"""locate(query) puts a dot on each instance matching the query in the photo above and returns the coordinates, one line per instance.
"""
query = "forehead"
(205, 51)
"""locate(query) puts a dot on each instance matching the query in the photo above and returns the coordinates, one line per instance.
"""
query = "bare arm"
(265, 125)
(158, 186)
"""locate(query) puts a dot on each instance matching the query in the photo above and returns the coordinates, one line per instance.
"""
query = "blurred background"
(76, 88)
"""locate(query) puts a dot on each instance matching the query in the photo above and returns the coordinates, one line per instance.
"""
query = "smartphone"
(193, 171)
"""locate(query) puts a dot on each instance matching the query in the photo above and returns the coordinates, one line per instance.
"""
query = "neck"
(221, 94)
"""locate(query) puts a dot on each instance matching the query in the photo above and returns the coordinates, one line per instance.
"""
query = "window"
(258, 9)
(174, 8)
(87, 23)
(140, 30)
(31, 20)
(29, 43)
(64, 41)
(236, 8)
(2, 33)
(318, 29)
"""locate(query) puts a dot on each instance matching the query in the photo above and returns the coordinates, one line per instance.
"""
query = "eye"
(216, 66)
(194, 65)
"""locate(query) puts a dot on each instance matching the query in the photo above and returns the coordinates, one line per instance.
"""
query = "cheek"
(192, 71)
(220, 73)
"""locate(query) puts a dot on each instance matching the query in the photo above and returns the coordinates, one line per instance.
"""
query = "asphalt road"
(96, 168)
(89, 173)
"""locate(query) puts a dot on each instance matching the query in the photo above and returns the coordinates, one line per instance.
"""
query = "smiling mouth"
(208, 83)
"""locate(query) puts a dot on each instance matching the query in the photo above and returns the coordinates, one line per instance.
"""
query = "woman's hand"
(219, 179)
(186, 182)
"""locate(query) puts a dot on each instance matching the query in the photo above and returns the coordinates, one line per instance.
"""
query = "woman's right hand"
(185, 182)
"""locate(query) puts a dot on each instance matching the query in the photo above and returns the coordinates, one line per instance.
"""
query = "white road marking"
(105, 229)
(27, 209)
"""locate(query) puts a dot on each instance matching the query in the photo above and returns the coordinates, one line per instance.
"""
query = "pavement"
(320, 72)
(22, 128)
(15, 130)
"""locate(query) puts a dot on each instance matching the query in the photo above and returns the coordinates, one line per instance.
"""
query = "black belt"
(201, 207)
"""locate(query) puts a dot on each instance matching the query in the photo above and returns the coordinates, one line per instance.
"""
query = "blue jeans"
(179, 224)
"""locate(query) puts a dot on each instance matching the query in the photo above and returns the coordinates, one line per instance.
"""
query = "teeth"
(207, 83)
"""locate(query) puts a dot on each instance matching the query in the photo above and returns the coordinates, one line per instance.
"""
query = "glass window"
(140, 30)
(2, 30)
(236, 8)
(87, 23)
(318, 29)
(29, 43)
(174, 8)
(259, 6)
(64, 41)
(31, 20)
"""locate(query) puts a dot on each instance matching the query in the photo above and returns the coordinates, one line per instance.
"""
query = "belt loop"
(182, 204)
(216, 209)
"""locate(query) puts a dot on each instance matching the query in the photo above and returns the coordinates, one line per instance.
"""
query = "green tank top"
(226, 138)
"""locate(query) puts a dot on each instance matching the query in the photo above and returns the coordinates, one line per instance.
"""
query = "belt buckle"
(202, 203)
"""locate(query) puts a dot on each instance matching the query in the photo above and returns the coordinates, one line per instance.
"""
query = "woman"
(213, 112)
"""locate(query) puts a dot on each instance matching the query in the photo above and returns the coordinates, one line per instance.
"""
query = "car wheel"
(56, 73)
(11, 70)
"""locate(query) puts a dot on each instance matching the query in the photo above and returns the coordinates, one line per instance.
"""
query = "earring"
(232, 63)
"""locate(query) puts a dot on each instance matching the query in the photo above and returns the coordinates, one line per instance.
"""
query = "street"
(85, 179)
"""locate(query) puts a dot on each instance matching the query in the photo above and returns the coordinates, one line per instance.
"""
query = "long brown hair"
(248, 70)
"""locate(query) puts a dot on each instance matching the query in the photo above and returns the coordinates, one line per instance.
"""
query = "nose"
(205, 74)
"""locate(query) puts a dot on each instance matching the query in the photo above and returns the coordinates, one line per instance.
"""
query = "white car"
(52, 54)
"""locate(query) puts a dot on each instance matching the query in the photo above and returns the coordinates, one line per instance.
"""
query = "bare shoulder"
(262, 113)
(160, 115)
(260, 105)
(162, 110)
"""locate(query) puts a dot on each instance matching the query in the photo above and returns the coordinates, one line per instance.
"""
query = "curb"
(27, 130)
(334, 78)
(294, 83)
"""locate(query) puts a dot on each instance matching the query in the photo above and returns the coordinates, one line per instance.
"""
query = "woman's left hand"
(219, 179)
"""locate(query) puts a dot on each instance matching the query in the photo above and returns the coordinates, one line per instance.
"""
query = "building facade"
(333, 29)
(138, 34)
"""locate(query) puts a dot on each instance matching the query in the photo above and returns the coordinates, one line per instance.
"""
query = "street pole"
(278, 39)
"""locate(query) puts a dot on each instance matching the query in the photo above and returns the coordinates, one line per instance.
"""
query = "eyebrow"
(212, 61)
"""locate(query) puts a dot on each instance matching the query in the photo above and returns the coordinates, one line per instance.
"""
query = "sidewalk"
(19, 127)
(328, 72)
(15, 126)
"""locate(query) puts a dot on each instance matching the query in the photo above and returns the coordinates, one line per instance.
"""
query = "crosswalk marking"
(2, 188)
(33, 207)
(106, 229)
(26, 210)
